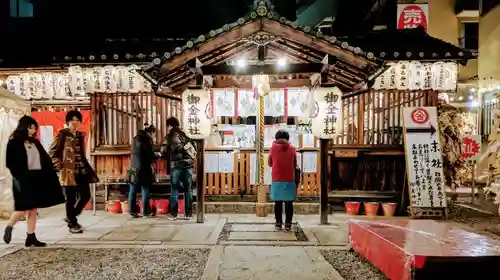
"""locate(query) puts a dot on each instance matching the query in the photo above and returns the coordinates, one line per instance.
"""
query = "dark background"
(62, 27)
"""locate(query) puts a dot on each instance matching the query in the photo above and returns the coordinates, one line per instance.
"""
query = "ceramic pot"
(352, 207)
(389, 208)
(371, 208)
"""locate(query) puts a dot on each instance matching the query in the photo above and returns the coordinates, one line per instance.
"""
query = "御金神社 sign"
(196, 112)
(326, 112)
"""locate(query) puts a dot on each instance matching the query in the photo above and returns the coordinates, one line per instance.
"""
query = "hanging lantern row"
(415, 75)
(78, 82)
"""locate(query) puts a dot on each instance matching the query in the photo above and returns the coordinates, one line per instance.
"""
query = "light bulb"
(282, 62)
(460, 98)
(241, 62)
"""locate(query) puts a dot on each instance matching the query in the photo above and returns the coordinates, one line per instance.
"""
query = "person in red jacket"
(283, 159)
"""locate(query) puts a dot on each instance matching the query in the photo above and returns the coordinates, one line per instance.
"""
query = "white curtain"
(8, 122)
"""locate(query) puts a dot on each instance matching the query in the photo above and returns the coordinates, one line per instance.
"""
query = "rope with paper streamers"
(261, 134)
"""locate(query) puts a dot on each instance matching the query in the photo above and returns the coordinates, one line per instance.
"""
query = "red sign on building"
(412, 16)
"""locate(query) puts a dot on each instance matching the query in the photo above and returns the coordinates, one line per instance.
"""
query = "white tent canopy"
(12, 108)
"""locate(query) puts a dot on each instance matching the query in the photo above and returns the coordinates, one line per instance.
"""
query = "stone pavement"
(243, 246)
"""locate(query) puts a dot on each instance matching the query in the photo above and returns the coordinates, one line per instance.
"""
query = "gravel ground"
(105, 264)
(351, 266)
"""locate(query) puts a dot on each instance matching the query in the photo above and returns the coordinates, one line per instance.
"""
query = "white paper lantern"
(402, 75)
(390, 77)
(23, 85)
(379, 82)
(133, 80)
(47, 89)
(29, 85)
(451, 72)
(326, 120)
(438, 76)
(88, 80)
(417, 75)
(36, 81)
(76, 83)
(196, 120)
(122, 78)
(110, 79)
(60, 85)
(13, 85)
(427, 76)
(98, 79)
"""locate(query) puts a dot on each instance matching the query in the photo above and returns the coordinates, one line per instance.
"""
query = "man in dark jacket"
(181, 166)
(141, 172)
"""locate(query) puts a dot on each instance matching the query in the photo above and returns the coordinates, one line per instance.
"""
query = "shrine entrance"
(259, 74)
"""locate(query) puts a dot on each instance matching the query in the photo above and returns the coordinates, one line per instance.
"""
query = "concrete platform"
(423, 249)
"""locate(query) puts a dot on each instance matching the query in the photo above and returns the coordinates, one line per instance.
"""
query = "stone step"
(249, 207)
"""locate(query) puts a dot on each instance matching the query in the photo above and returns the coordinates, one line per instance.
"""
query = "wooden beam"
(275, 84)
(283, 31)
(223, 69)
(214, 43)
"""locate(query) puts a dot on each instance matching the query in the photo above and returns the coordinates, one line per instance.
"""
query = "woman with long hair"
(34, 180)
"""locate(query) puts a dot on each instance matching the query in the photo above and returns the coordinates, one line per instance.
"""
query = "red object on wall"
(58, 119)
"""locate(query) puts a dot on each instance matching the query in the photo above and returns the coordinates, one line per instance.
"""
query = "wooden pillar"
(324, 209)
(200, 188)
(261, 207)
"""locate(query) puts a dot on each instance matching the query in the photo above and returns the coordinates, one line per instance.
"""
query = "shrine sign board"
(326, 112)
(471, 147)
(196, 111)
(424, 161)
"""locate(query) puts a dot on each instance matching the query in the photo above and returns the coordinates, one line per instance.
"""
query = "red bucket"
(88, 206)
(389, 208)
(114, 206)
(181, 206)
(162, 206)
(371, 208)
(152, 205)
(352, 207)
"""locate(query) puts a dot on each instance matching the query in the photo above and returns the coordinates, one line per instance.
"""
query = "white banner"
(326, 112)
(196, 120)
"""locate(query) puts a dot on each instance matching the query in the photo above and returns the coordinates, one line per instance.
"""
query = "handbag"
(298, 175)
(190, 150)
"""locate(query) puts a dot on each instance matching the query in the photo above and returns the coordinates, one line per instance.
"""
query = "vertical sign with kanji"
(326, 112)
(424, 161)
(196, 112)
(412, 16)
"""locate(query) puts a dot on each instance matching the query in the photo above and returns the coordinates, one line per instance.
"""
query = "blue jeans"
(182, 176)
(132, 198)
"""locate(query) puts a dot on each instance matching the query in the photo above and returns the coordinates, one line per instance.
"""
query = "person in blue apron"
(283, 161)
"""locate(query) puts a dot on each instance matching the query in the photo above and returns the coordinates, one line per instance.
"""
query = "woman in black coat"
(34, 181)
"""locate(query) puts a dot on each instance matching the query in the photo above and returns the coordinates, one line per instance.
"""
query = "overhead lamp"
(460, 98)
(282, 62)
(241, 62)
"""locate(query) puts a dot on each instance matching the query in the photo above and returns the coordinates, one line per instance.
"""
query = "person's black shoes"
(278, 226)
(7, 235)
(288, 226)
(135, 215)
(31, 241)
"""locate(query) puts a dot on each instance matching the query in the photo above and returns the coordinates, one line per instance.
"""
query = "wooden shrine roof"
(265, 27)
(409, 44)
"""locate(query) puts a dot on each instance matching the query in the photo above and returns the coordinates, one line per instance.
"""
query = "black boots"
(31, 241)
(7, 235)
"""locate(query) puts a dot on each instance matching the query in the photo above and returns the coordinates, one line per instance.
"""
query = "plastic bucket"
(114, 206)
(371, 208)
(352, 207)
(389, 208)
(162, 206)
(124, 205)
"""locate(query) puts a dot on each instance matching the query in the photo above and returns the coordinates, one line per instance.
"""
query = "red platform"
(423, 249)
